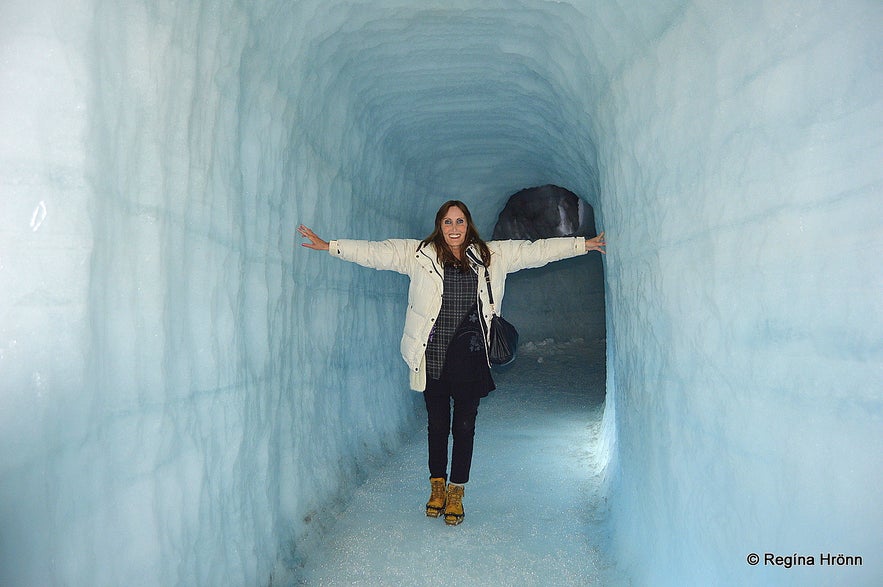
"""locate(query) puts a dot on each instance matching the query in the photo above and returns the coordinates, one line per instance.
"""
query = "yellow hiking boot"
(436, 504)
(454, 508)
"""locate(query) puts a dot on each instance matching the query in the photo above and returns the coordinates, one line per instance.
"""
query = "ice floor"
(534, 514)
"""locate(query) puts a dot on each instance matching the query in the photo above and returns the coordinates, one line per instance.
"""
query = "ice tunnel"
(181, 389)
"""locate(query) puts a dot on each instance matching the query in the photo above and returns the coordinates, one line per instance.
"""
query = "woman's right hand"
(315, 242)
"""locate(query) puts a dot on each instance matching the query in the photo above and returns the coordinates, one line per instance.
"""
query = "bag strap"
(490, 292)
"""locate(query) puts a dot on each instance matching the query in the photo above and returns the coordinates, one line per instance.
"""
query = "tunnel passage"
(176, 400)
(561, 301)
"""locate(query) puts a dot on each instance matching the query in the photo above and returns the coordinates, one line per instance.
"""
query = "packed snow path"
(534, 514)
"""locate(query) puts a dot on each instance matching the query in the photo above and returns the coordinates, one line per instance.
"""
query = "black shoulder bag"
(504, 336)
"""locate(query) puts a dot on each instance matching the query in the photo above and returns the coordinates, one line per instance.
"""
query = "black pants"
(440, 426)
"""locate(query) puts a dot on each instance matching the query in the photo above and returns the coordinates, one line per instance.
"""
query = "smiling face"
(453, 227)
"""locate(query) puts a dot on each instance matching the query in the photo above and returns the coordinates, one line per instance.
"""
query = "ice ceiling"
(450, 97)
(180, 390)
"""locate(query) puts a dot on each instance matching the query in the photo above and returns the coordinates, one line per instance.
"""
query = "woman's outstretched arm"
(315, 243)
(596, 244)
(388, 255)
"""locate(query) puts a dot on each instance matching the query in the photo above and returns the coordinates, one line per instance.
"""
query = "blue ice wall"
(182, 388)
(741, 181)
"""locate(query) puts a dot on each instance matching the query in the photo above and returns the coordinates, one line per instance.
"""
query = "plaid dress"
(458, 297)
(456, 348)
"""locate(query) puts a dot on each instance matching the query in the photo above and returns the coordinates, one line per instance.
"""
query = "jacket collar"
(473, 255)
(429, 257)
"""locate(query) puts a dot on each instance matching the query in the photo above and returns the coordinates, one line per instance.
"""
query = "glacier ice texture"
(183, 389)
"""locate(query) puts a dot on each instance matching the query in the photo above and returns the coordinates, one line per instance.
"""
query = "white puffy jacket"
(427, 280)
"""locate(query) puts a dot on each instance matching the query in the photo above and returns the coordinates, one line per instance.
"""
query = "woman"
(446, 326)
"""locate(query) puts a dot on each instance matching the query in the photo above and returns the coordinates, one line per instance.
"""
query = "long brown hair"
(444, 252)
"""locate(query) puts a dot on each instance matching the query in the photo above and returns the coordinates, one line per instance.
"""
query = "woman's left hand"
(596, 244)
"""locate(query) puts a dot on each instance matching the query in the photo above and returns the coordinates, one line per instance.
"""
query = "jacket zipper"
(434, 268)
